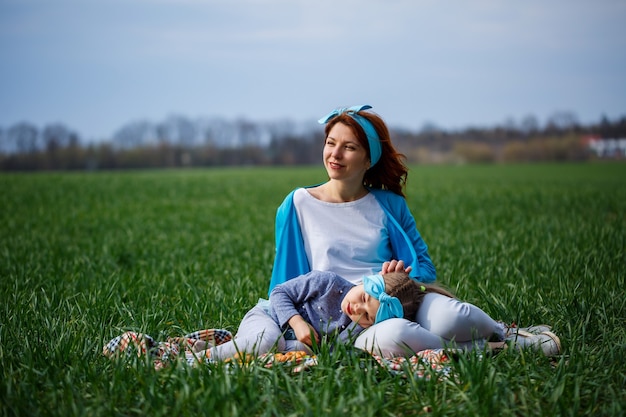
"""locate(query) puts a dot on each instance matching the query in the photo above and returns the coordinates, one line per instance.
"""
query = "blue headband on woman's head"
(390, 307)
(366, 125)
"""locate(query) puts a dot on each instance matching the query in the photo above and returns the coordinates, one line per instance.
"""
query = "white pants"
(440, 322)
(258, 333)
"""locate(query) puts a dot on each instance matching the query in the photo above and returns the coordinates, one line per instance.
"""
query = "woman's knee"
(455, 319)
(397, 337)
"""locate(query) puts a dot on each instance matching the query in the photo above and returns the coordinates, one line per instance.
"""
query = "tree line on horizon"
(181, 142)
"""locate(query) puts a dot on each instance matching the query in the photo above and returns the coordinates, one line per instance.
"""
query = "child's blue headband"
(390, 307)
(366, 125)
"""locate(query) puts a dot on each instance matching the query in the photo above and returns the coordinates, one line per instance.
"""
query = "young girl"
(324, 306)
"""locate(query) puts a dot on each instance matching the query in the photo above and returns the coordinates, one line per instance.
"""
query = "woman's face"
(360, 306)
(344, 157)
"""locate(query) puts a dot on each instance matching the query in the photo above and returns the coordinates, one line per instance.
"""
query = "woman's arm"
(406, 241)
(290, 257)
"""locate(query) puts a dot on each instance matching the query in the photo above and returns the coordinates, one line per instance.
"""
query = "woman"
(359, 220)
(356, 221)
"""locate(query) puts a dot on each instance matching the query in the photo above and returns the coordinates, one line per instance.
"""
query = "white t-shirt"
(350, 239)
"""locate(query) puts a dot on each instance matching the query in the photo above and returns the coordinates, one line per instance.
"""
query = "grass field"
(84, 257)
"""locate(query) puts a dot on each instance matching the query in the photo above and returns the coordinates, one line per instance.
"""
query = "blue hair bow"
(390, 307)
(372, 136)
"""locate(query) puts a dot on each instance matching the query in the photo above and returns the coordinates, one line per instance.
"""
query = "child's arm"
(286, 298)
(303, 330)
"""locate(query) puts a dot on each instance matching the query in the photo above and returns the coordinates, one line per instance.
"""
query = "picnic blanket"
(190, 349)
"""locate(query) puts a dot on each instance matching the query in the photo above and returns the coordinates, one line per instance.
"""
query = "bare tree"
(135, 134)
(57, 136)
(23, 137)
(563, 121)
(529, 125)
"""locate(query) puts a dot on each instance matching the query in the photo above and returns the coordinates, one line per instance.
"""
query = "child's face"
(360, 306)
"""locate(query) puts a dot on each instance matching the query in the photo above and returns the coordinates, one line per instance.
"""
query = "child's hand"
(303, 330)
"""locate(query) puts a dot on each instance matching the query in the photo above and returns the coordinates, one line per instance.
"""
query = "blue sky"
(95, 65)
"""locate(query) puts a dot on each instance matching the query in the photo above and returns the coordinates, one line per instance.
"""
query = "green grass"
(84, 257)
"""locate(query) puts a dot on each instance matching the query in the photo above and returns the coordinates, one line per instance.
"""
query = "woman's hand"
(395, 266)
(303, 330)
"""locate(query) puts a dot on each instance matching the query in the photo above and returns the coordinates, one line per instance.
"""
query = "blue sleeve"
(423, 265)
(406, 241)
(290, 258)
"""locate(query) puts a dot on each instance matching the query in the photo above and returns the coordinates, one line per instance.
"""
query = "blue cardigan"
(406, 243)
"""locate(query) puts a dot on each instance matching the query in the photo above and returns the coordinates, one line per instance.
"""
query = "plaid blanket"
(190, 350)
(190, 347)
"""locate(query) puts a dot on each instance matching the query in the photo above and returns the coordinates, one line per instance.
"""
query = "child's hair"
(410, 292)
